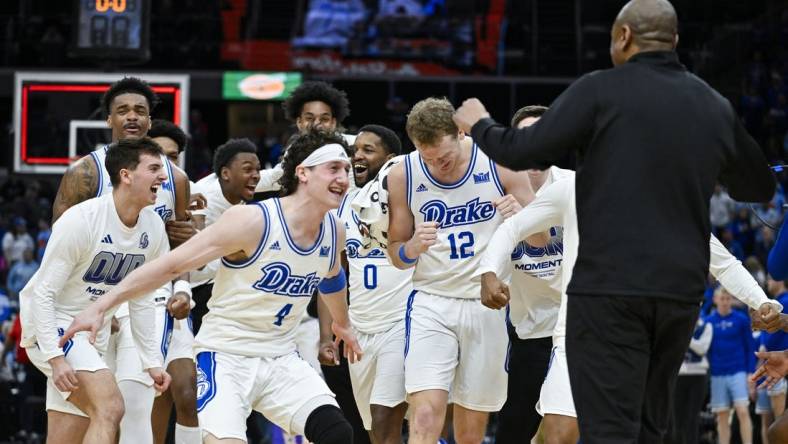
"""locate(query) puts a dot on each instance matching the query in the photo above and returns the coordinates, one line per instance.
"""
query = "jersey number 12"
(465, 249)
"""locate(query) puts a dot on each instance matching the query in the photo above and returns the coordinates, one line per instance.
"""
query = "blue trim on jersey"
(206, 364)
(408, 309)
(289, 239)
(496, 179)
(99, 171)
(166, 334)
(189, 322)
(342, 204)
(408, 179)
(550, 363)
(171, 179)
(333, 252)
(263, 239)
(451, 186)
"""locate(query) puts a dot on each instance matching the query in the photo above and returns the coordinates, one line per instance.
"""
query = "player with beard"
(274, 254)
(378, 292)
(128, 104)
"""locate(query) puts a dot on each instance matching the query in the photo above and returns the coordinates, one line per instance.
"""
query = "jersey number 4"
(282, 313)
(464, 249)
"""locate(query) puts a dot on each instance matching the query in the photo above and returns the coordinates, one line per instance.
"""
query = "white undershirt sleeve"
(62, 255)
(734, 277)
(541, 214)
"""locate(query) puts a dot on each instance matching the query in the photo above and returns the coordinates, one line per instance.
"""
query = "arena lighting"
(32, 154)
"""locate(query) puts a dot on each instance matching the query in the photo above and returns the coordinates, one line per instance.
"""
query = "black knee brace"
(327, 425)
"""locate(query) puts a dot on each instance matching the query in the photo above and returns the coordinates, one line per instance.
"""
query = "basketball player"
(533, 310)
(237, 167)
(555, 206)
(93, 246)
(128, 104)
(378, 293)
(274, 254)
(179, 360)
(442, 200)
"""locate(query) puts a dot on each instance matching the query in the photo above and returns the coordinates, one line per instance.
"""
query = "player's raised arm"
(79, 183)
(236, 233)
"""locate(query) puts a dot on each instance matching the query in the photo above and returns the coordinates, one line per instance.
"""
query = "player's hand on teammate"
(495, 294)
(179, 305)
(161, 379)
(468, 114)
(507, 206)
(774, 368)
(767, 318)
(343, 333)
(197, 201)
(328, 353)
(64, 377)
(179, 231)
(424, 236)
(90, 319)
(114, 325)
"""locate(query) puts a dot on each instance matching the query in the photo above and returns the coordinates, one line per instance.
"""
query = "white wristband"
(182, 286)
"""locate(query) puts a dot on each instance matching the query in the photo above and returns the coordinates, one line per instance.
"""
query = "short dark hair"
(391, 142)
(165, 128)
(317, 91)
(129, 85)
(526, 112)
(299, 148)
(125, 154)
(225, 154)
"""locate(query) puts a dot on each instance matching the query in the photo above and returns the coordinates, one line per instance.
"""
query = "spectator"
(5, 307)
(16, 241)
(726, 237)
(764, 241)
(42, 238)
(721, 206)
(742, 229)
(20, 273)
(691, 387)
(731, 359)
(755, 267)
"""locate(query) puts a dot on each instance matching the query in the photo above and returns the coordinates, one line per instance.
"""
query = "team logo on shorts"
(203, 385)
(144, 240)
(470, 212)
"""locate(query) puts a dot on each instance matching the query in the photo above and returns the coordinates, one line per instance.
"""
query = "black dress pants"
(624, 353)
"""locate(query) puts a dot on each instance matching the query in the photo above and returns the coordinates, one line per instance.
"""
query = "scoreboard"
(112, 29)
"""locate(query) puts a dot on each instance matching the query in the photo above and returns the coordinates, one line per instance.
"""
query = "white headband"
(326, 153)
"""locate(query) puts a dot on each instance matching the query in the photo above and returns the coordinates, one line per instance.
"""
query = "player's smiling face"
(242, 175)
(368, 158)
(327, 183)
(129, 116)
(146, 179)
(442, 157)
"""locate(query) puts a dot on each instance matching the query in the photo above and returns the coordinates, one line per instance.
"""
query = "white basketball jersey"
(165, 196)
(467, 220)
(378, 290)
(256, 305)
(536, 278)
(90, 240)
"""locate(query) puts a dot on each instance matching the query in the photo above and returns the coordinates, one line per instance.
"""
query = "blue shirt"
(731, 349)
(20, 273)
(777, 341)
(778, 257)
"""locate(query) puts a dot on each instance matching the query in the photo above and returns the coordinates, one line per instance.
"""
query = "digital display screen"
(110, 24)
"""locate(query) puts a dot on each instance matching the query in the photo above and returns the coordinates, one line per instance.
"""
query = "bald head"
(643, 25)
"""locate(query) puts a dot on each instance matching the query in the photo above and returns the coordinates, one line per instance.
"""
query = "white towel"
(371, 204)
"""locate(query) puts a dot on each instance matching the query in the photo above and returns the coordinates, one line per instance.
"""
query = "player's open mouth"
(131, 128)
(154, 189)
(251, 188)
(339, 191)
(359, 169)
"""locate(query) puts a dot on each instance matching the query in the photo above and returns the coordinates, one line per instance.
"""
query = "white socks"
(187, 435)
